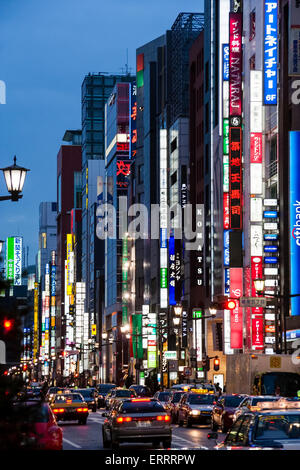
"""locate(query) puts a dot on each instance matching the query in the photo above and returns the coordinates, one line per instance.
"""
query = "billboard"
(270, 52)
(294, 168)
(14, 260)
(236, 316)
(235, 178)
(294, 37)
(235, 63)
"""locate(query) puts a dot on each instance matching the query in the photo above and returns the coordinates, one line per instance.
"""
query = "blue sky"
(46, 48)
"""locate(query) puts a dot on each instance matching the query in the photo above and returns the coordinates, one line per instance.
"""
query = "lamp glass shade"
(1, 245)
(178, 310)
(15, 177)
(259, 285)
(176, 321)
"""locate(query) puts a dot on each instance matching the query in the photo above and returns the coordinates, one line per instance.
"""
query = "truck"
(260, 374)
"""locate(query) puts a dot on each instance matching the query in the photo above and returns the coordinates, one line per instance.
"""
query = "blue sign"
(292, 335)
(53, 281)
(163, 238)
(271, 236)
(270, 52)
(271, 260)
(226, 247)
(47, 323)
(294, 166)
(227, 281)
(172, 271)
(270, 214)
(225, 62)
(271, 249)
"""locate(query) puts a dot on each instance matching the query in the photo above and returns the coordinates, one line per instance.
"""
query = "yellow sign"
(35, 320)
(70, 267)
(94, 330)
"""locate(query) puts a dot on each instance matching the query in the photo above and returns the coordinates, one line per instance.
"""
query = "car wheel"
(82, 421)
(167, 444)
(155, 443)
(213, 426)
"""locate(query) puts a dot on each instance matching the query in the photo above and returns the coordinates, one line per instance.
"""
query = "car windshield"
(278, 426)
(232, 402)
(142, 407)
(25, 413)
(69, 398)
(125, 393)
(201, 399)
(164, 396)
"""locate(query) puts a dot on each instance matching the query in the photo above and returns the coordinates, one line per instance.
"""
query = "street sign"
(187, 371)
(253, 302)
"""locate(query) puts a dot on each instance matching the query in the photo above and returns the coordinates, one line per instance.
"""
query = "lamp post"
(15, 178)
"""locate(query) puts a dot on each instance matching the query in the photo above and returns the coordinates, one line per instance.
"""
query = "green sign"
(10, 256)
(226, 136)
(163, 278)
(197, 314)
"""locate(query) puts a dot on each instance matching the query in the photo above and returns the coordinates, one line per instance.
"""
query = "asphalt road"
(89, 437)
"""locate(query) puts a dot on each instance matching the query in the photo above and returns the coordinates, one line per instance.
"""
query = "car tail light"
(124, 420)
(82, 410)
(164, 418)
(140, 399)
(58, 410)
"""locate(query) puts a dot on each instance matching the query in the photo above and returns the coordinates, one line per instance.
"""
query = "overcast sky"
(46, 49)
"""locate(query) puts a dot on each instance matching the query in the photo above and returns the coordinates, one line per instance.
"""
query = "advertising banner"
(270, 52)
(294, 141)
(236, 316)
(235, 63)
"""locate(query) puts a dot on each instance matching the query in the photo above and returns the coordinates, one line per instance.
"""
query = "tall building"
(47, 238)
(69, 187)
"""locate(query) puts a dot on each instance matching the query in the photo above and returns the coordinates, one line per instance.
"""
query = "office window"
(252, 25)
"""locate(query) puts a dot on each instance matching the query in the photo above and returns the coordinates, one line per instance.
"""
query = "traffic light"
(8, 325)
(24, 367)
(222, 302)
(216, 364)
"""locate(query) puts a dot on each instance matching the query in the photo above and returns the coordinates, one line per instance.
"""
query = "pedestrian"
(218, 389)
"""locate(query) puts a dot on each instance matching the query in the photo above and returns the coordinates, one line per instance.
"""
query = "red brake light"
(141, 399)
(163, 418)
(122, 420)
(58, 410)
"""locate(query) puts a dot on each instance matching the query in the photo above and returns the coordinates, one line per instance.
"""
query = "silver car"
(137, 420)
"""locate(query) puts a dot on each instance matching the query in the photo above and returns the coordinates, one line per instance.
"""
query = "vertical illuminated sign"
(70, 264)
(236, 317)
(270, 51)
(36, 321)
(163, 220)
(172, 271)
(294, 166)
(235, 178)
(235, 63)
(133, 116)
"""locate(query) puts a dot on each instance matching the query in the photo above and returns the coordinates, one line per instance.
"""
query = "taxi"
(273, 426)
(196, 407)
(69, 407)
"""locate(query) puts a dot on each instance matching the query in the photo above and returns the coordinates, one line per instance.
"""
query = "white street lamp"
(15, 178)
(259, 285)
(1, 245)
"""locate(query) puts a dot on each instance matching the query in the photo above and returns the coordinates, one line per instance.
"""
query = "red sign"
(235, 178)
(256, 147)
(247, 275)
(258, 332)
(236, 316)
(235, 62)
(122, 146)
(226, 211)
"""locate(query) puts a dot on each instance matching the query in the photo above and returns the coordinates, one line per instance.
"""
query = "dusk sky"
(46, 49)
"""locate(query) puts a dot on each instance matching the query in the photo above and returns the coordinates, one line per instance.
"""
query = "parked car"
(29, 424)
(223, 412)
(137, 420)
(195, 408)
(103, 390)
(273, 426)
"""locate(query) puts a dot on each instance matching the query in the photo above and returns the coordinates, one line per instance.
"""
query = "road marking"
(183, 440)
(71, 443)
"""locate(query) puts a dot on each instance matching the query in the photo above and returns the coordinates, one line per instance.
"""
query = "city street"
(89, 437)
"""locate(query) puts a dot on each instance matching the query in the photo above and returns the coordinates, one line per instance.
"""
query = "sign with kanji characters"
(123, 174)
(235, 178)
(172, 272)
(270, 52)
(133, 116)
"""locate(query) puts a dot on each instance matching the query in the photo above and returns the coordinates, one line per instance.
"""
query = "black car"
(89, 396)
(103, 390)
(141, 390)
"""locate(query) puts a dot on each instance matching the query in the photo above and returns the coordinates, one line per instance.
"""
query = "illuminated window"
(44, 240)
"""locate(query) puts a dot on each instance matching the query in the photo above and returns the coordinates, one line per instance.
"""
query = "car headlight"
(195, 412)
(230, 416)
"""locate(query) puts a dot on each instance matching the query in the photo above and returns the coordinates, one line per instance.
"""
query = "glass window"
(201, 399)
(142, 407)
(232, 435)
(278, 426)
(232, 402)
(243, 432)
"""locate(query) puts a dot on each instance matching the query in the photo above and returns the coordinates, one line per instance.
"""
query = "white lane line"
(71, 443)
(174, 438)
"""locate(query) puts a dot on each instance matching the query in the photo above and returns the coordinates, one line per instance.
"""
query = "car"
(137, 420)
(172, 404)
(89, 396)
(223, 411)
(251, 403)
(141, 390)
(29, 424)
(119, 394)
(182, 387)
(103, 390)
(195, 408)
(53, 391)
(163, 397)
(273, 426)
(70, 407)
